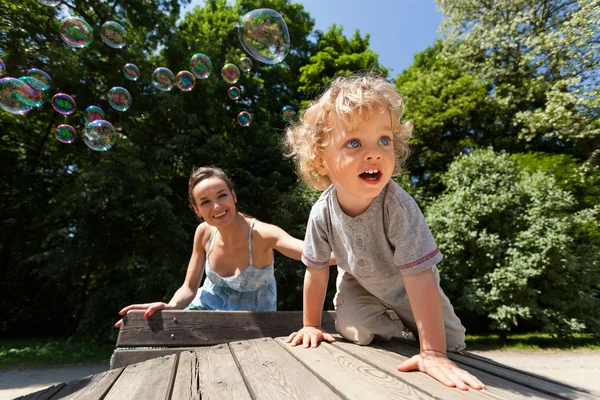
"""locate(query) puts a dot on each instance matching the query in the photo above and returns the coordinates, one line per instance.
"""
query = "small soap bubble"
(40, 76)
(93, 113)
(9, 99)
(65, 133)
(264, 35)
(245, 64)
(185, 80)
(200, 65)
(75, 32)
(288, 113)
(38, 93)
(50, 3)
(119, 98)
(113, 34)
(162, 79)
(63, 103)
(99, 135)
(131, 72)
(234, 93)
(230, 73)
(244, 118)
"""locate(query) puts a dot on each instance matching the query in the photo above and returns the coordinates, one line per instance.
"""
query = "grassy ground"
(52, 351)
(533, 341)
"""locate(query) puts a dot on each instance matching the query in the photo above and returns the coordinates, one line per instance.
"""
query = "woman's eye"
(222, 195)
(204, 202)
(353, 144)
(385, 140)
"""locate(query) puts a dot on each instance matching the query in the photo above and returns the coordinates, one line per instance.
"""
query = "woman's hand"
(150, 308)
(439, 367)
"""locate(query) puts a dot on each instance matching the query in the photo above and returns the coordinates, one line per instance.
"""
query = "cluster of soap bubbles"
(263, 34)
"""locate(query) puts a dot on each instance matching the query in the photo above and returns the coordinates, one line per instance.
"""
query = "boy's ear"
(320, 167)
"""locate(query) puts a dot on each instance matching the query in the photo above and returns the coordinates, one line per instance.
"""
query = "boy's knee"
(354, 334)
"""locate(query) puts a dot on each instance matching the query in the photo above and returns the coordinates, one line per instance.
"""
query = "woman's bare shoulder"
(202, 234)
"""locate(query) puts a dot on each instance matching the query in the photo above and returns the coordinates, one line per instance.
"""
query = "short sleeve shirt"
(388, 240)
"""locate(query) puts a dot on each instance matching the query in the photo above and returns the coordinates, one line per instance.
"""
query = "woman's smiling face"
(214, 202)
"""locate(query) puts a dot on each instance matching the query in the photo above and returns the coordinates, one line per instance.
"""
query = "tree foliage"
(516, 248)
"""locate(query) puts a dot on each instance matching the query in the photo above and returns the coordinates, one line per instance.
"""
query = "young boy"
(349, 143)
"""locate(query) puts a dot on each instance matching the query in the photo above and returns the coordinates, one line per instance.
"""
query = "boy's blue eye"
(353, 144)
(384, 141)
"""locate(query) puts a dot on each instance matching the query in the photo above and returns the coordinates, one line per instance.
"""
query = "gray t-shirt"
(388, 240)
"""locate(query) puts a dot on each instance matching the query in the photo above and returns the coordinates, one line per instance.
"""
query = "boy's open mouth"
(371, 176)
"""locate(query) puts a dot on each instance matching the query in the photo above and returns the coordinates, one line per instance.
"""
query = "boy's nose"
(372, 154)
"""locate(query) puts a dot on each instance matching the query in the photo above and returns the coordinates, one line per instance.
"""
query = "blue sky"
(399, 28)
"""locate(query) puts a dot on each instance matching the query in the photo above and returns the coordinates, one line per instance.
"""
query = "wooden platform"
(267, 368)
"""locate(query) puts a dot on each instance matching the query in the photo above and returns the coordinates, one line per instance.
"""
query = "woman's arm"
(185, 294)
(284, 243)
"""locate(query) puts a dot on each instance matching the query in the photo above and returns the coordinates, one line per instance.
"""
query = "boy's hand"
(439, 367)
(309, 336)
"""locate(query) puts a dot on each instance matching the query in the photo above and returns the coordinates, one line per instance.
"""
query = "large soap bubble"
(40, 76)
(131, 72)
(245, 64)
(244, 118)
(93, 113)
(99, 135)
(200, 65)
(113, 34)
(230, 73)
(63, 103)
(264, 35)
(185, 81)
(288, 113)
(75, 32)
(38, 93)
(65, 133)
(9, 97)
(163, 79)
(119, 98)
(234, 93)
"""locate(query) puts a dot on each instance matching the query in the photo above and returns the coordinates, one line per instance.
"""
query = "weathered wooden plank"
(93, 387)
(219, 376)
(548, 387)
(148, 380)
(186, 386)
(390, 358)
(122, 358)
(202, 328)
(352, 377)
(272, 373)
(43, 394)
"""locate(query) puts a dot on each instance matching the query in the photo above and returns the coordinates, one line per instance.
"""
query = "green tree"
(517, 249)
(542, 61)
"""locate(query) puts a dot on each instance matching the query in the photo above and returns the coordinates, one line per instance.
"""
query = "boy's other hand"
(309, 336)
(439, 367)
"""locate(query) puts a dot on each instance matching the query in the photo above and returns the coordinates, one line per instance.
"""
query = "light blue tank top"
(253, 289)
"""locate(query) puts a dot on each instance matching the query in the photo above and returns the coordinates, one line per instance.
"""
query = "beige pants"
(361, 317)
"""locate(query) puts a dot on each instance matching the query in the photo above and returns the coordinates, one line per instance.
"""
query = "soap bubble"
(113, 34)
(9, 100)
(99, 135)
(75, 32)
(131, 72)
(119, 98)
(288, 113)
(230, 73)
(50, 3)
(63, 103)
(162, 79)
(244, 118)
(200, 65)
(65, 133)
(185, 81)
(245, 64)
(40, 76)
(264, 35)
(38, 93)
(234, 93)
(93, 113)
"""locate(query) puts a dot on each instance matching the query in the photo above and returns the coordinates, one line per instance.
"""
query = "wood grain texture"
(43, 394)
(185, 386)
(122, 358)
(93, 387)
(219, 376)
(350, 376)
(271, 373)
(149, 380)
(170, 328)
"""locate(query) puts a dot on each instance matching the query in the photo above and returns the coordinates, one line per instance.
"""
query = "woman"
(235, 250)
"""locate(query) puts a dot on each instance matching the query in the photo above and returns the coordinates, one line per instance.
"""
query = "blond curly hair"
(346, 98)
